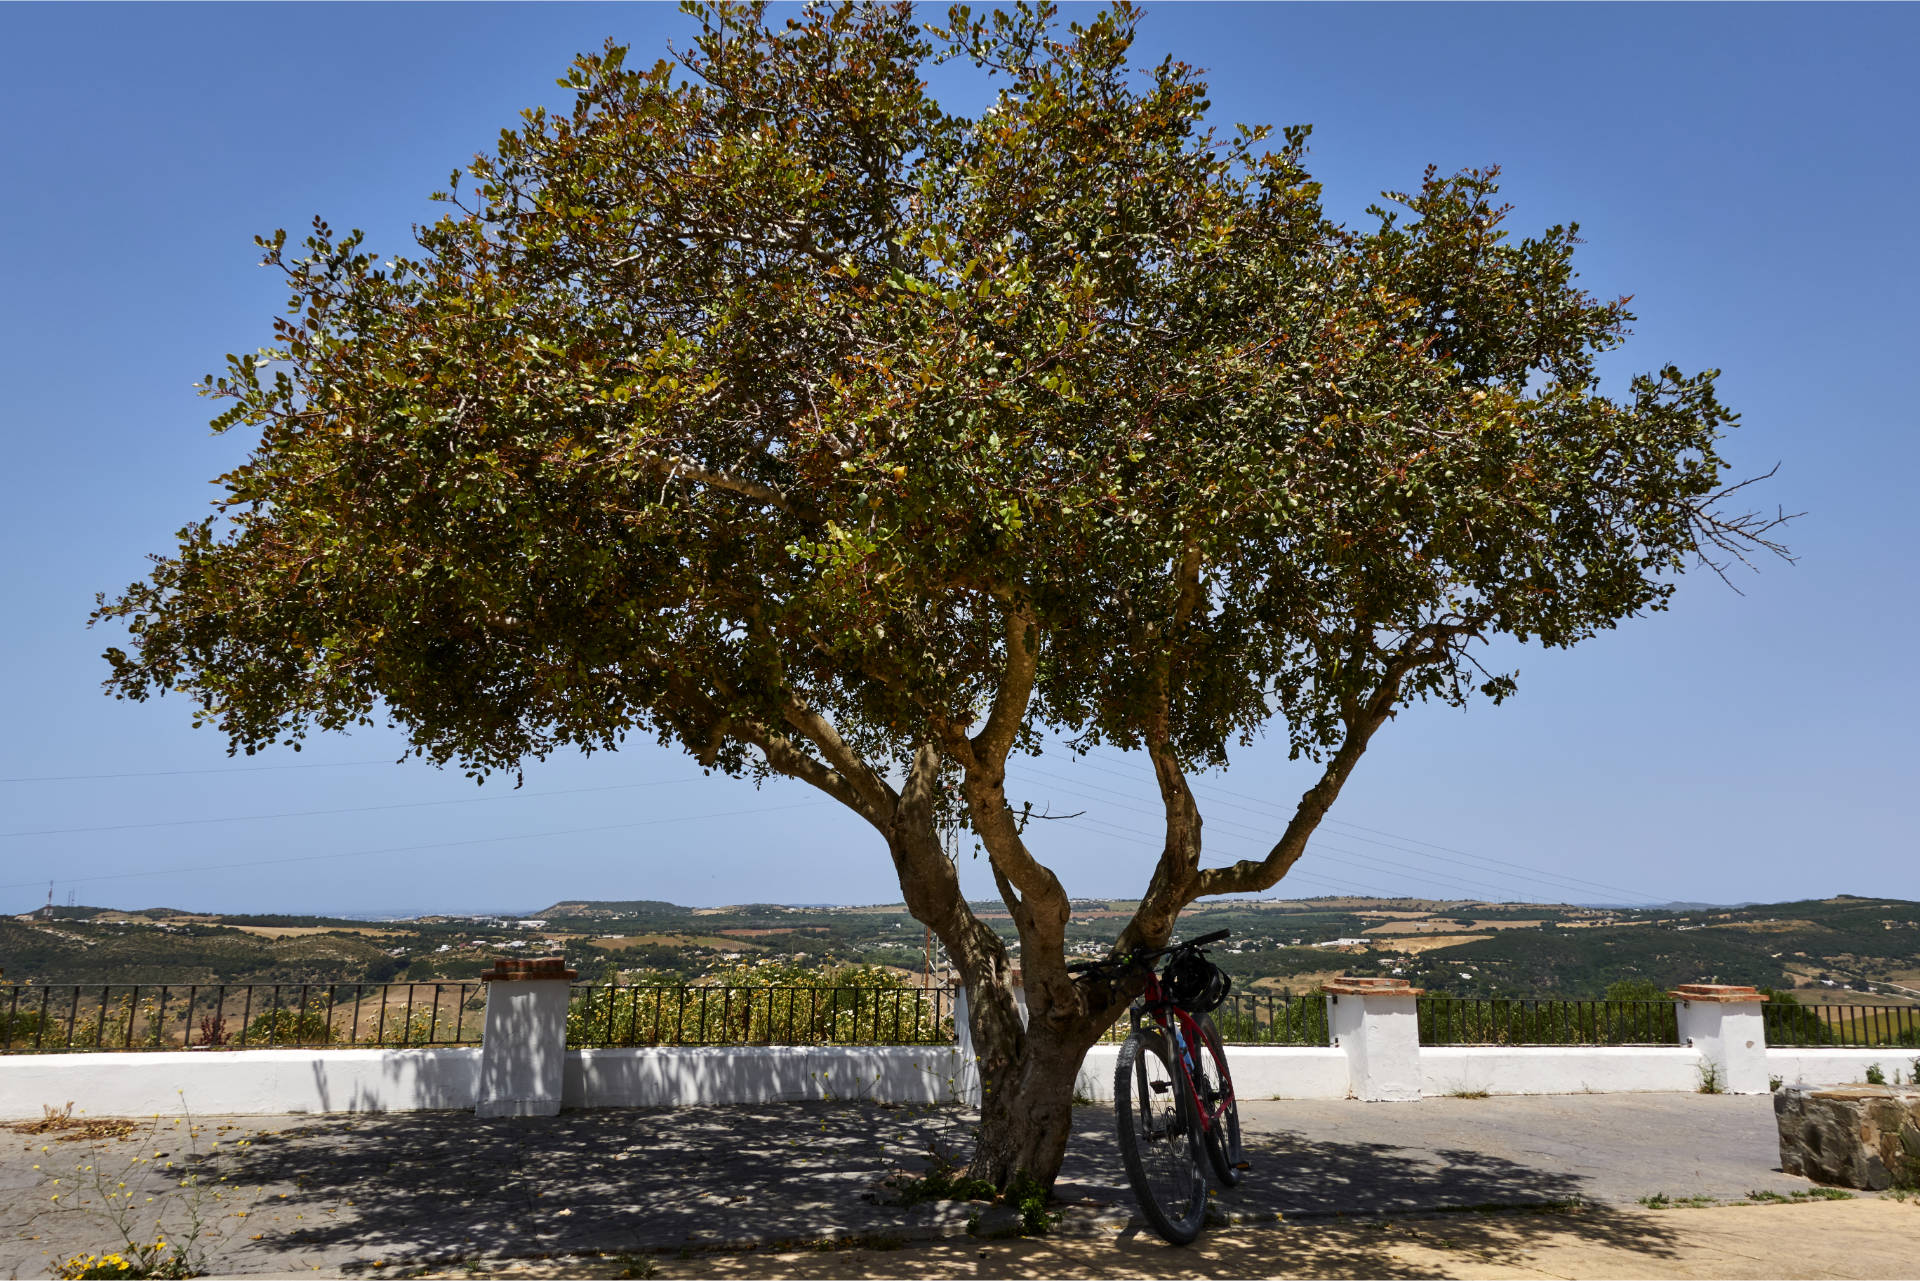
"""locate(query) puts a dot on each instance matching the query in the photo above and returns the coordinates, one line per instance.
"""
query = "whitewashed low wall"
(266, 1082)
(1259, 1072)
(1839, 1066)
(240, 1082)
(1557, 1069)
(761, 1074)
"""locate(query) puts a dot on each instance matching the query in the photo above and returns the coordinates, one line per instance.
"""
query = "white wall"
(1259, 1072)
(265, 1082)
(1457, 1069)
(239, 1082)
(1839, 1066)
(760, 1074)
(259, 1082)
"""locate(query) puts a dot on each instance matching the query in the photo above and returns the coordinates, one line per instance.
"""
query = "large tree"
(763, 405)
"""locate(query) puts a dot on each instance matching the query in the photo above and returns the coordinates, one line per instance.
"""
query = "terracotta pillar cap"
(526, 968)
(1351, 985)
(1726, 993)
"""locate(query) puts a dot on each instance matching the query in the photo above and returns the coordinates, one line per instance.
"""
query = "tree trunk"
(1027, 1079)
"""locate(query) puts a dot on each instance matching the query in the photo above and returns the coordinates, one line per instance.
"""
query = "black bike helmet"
(1196, 984)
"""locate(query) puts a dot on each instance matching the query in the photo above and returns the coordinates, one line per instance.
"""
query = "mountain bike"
(1173, 1100)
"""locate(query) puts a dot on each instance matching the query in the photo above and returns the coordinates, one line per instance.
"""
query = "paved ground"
(1863, 1239)
(283, 1195)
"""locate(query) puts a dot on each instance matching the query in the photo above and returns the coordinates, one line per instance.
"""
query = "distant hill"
(592, 908)
(1838, 948)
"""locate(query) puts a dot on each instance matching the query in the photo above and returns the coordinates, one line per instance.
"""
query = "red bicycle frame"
(1184, 1039)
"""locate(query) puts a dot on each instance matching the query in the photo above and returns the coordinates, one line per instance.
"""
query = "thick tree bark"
(1026, 1106)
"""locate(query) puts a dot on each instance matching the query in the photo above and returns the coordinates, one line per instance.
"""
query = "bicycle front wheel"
(1222, 1132)
(1156, 1131)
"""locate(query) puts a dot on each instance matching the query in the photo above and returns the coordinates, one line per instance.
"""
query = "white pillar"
(1373, 1020)
(1726, 1024)
(966, 1084)
(523, 1049)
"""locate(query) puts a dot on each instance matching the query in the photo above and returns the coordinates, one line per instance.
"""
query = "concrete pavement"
(342, 1194)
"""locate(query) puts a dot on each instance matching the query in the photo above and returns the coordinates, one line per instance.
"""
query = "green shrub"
(1300, 1021)
(764, 1003)
(291, 1027)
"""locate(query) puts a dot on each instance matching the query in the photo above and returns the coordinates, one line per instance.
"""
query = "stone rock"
(997, 1221)
(1855, 1136)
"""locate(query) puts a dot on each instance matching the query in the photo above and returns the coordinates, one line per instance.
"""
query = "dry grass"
(68, 1128)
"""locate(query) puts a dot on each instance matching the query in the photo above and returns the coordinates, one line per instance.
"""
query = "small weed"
(100, 1193)
(1874, 1075)
(1765, 1196)
(634, 1265)
(1710, 1080)
(1661, 1201)
(1028, 1195)
(943, 1181)
(1774, 1083)
(857, 1241)
(1468, 1094)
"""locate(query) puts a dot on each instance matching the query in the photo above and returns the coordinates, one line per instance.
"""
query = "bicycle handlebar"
(1142, 956)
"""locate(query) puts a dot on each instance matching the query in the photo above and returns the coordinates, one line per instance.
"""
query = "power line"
(355, 809)
(1119, 833)
(1369, 862)
(1556, 880)
(432, 845)
(170, 773)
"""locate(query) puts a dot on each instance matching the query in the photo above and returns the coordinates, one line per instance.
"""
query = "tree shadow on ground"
(1437, 1246)
(1296, 1176)
(442, 1185)
(427, 1187)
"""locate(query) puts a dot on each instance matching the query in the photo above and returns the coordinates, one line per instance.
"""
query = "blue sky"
(1744, 172)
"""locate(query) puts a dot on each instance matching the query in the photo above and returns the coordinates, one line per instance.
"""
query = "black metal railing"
(71, 1017)
(600, 1016)
(1843, 1025)
(1466, 1020)
(1259, 1018)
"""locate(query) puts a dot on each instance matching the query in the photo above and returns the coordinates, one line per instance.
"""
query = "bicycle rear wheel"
(1222, 1134)
(1156, 1131)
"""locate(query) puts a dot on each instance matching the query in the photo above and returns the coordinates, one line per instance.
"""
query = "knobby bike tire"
(1222, 1137)
(1156, 1132)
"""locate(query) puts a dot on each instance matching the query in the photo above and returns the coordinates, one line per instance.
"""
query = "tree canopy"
(762, 404)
